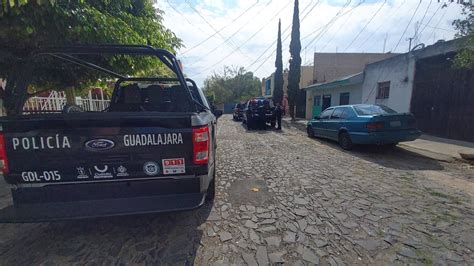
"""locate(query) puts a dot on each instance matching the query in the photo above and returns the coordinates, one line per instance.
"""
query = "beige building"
(331, 66)
(268, 84)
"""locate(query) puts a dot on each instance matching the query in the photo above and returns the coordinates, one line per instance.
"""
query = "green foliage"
(465, 28)
(28, 25)
(278, 88)
(233, 85)
(294, 73)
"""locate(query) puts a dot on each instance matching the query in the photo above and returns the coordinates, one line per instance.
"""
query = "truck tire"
(211, 190)
(249, 124)
(273, 123)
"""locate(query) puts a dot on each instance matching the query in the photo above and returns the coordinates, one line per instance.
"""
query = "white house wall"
(399, 70)
(355, 96)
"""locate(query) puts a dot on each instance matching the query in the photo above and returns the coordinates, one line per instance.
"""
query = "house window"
(383, 90)
(317, 100)
(344, 98)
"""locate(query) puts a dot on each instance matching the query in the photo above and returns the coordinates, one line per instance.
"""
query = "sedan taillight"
(375, 125)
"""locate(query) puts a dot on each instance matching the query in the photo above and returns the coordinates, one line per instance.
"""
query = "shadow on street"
(390, 157)
(169, 238)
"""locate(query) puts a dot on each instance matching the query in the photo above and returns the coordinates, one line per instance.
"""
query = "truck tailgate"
(97, 147)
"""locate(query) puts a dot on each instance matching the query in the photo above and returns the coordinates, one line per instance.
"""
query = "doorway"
(326, 101)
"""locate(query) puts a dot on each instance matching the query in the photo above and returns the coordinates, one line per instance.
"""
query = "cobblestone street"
(281, 198)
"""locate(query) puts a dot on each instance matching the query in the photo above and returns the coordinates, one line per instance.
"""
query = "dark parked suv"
(237, 115)
(258, 112)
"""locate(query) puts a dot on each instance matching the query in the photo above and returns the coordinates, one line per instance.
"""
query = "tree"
(28, 25)
(294, 74)
(465, 28)
(278, 88)
(233, 85)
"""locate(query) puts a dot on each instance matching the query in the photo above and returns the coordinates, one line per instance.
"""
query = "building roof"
(440, 47)
(344, 81)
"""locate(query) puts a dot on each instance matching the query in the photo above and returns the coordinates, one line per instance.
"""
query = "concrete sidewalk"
(440, 149)
(429, 146)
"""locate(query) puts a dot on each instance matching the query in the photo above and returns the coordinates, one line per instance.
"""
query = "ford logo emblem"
(99, 144)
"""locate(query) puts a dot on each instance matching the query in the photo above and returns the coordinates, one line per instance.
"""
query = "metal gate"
(301, 104)
(443, 98)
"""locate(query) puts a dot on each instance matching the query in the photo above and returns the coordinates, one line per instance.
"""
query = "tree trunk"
(292, 111)
(70, 96)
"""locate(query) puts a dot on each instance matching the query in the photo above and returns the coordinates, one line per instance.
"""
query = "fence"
(56, 101)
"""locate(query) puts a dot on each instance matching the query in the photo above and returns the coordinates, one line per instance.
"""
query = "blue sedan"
(363, 124)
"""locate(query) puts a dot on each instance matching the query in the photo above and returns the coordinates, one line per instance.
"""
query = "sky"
(218, 33)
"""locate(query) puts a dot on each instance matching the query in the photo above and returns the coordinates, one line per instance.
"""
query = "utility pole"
(409, 45)
(384, 42)
(416, 37)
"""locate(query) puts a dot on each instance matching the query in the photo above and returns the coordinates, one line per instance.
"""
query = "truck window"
(55, 101)
(152, 98)
(73, 88)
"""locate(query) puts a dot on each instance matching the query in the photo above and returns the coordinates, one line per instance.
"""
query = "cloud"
(237, 20)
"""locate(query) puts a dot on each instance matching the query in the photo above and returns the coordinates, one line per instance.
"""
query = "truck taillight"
(201, 145)
(3, 155)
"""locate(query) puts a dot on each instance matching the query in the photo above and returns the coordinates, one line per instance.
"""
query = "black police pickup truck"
(152, 150)
(257, 112)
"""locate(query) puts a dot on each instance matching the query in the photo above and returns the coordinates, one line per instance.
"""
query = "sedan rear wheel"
(345, 141)
(310, 131)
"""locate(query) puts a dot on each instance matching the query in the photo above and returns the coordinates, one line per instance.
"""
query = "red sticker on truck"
(174, 166)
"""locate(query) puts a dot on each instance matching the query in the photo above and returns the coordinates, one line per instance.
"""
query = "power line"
(284, 39)
(365, 26)
(210, 25)
(342, 25)
(429, 20)
(214, 34)
(311, 33)
(329, 24)
(272, 53)
(248, 39)
(231, 36)
(406, 28)
(181, 14)
(437, 24)
(426, 11)
(382, 24)
(438, 28)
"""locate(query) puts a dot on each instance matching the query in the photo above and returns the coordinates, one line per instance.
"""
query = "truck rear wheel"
(250, 124)
(211, 190)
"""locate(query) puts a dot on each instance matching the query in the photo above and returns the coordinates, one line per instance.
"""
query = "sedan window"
(373, 110)
(338, 113)
(326, 114)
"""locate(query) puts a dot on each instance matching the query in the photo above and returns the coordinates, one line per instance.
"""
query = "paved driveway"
(282, 197)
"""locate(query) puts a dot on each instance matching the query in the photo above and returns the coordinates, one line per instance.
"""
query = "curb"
(421, 152)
